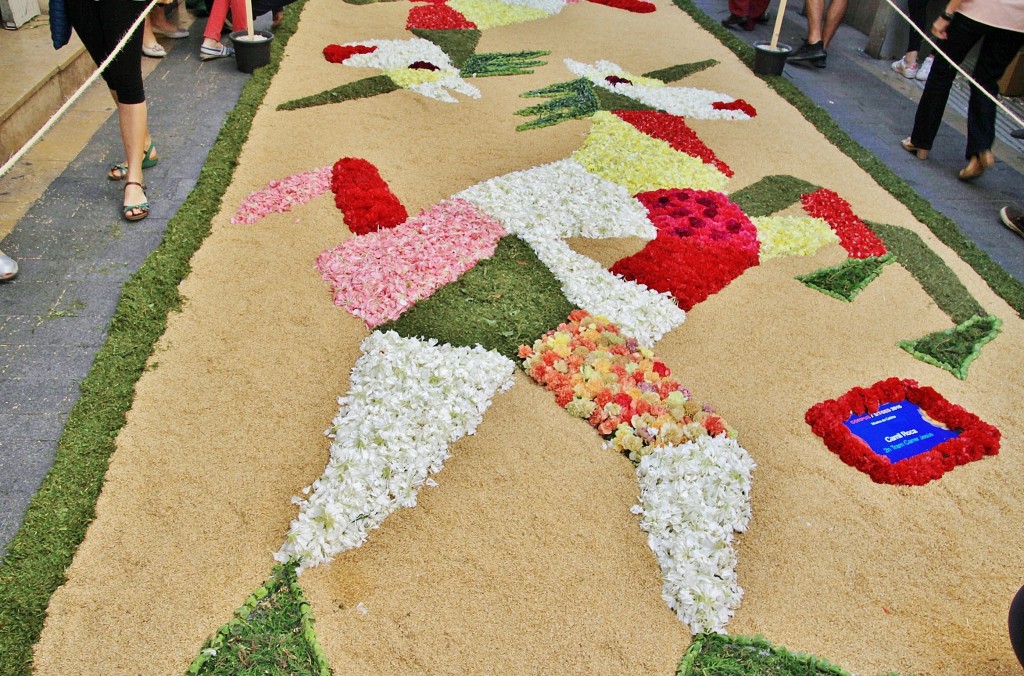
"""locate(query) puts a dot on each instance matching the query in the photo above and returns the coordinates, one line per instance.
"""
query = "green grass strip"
(930, 271)
(508, 300)
(955, 349)
(458, 44)
(718, 655)
(1000, 281)
(513, 63)
(676, 73)
(272, 633)
(849, 278)
(57, 517)
(360, 89)
(771, 194)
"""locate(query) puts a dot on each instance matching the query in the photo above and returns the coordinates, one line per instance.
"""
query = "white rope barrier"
(78, 93)
(938, 50)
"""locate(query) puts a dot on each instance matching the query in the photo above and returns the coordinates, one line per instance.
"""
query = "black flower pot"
(251, 54)
(768, 61)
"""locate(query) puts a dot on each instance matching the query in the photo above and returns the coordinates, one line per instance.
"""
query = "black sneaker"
(814, 53)
(733, 20)
(1013, 218)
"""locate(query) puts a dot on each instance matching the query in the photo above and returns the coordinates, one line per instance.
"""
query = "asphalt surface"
(75, 252)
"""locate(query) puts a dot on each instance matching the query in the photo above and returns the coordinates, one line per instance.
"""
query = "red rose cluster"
(704, 242)
(437, 15)
(338, 53)
(857, 238)
(364, 198)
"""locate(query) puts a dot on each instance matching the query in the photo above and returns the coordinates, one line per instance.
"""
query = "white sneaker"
(907, 70)
(926, 67)
(8, 266)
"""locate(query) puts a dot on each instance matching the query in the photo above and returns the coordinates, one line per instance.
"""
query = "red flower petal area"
(436, 15)
(338, 53)
(858, 240)
(364, 197)
(704, 242)
(673, 131)
(637, 6)
(977, 438)
(738, 104)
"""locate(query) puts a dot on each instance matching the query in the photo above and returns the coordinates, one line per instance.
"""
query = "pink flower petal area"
(280, 196)
(377, 276)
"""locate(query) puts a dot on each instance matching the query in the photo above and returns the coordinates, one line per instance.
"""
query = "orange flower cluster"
(598, 374)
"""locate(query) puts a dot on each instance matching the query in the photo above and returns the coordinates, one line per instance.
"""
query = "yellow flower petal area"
(406, 77)
(792, 235)
(493, 13)
(617, 151)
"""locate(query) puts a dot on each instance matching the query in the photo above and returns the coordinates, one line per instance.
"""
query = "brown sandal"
(921, 153)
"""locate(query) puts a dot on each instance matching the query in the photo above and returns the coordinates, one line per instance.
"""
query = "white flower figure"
(683, 101)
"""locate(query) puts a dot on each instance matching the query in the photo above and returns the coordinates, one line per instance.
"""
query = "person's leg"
(124, 75)
(212, 47)
(962, 33)
(134, 129)
(834, 17)
(998, 48)
(917, 11)
(815, 14)
(163, 25)
(813, 49)
(215, 22)
(150, 46)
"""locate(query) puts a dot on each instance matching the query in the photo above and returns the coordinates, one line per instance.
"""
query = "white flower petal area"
(640, 312)
(692, 498)
(397, 54)
(559, 200)
(408, 400)
(682, 101)
(545, 204)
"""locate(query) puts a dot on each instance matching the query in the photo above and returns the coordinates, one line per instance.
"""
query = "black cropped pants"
(998, 47)
(101, 24)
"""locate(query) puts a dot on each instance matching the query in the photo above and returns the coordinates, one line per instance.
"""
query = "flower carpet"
(542, 336)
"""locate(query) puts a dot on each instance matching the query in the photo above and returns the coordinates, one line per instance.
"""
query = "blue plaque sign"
(898, 431)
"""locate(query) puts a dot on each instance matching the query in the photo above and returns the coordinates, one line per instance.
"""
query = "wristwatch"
(946, 15)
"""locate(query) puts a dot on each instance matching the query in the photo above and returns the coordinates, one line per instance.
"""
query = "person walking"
(821, 28)
(999, 26)
(909, 66)
(101, 24)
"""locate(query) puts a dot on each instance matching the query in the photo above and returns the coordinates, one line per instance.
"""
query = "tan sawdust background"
(526, 557)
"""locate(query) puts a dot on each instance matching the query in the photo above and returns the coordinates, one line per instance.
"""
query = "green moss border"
(722, 655)
(998, 279)
(954, 349)
(56, 519)
(282, 580)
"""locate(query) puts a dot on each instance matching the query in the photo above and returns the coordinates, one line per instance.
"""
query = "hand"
(939, 28)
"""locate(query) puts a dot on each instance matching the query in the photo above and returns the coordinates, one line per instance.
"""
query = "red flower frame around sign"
(977, 438)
